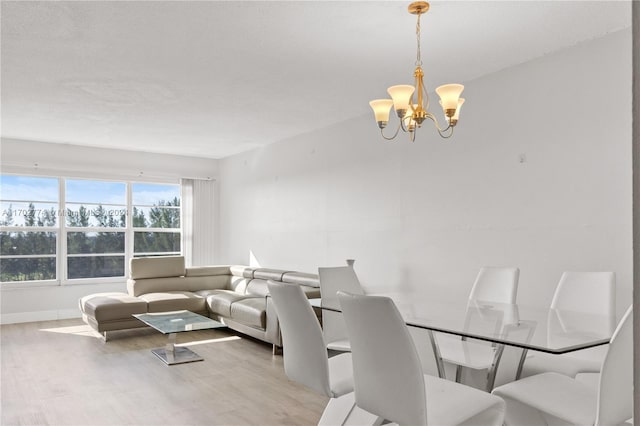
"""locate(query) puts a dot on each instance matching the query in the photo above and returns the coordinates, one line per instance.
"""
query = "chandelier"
(411, 115)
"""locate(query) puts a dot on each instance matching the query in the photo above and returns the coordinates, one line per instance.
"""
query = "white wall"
(425, 216)
(34, 303)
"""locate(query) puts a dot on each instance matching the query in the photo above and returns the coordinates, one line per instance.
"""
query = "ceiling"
(212, 79)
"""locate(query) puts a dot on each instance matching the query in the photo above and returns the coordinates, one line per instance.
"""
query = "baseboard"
(19, 317)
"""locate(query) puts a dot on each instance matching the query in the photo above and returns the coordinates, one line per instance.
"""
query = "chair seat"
(466, 353)
(554, 396)
(590, 379)
(450, 403)
(340, 345)
(341, 375)
(568, 365)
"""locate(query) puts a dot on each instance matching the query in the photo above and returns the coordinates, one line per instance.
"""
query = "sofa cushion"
(209, 292)
(251, 312)
(239, 284)
(112, 306)
(157, 285)
(258, 288)
(156, 267)
(209, 282)
(301, 278)
(269, 274)
(174, 301)
(220, 302)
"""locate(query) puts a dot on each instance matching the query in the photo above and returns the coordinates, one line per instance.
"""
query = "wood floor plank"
(62, 373)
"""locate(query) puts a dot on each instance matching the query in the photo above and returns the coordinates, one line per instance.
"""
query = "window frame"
(61, 230)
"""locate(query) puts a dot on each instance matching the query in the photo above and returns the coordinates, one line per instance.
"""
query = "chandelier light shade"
(381, 109)
(412, 114)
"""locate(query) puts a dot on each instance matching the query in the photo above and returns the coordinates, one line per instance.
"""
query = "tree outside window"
(93, 220)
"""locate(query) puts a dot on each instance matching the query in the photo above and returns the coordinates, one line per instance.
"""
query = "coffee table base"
(172, 354)
(179, 355)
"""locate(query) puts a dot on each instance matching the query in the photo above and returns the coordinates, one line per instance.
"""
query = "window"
(66, 230)
(96, 220)
(30, 231)
(156, 219)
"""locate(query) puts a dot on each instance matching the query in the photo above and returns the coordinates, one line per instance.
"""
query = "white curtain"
(198, 221)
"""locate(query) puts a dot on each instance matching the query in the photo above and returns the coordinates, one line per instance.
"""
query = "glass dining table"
(517, 328)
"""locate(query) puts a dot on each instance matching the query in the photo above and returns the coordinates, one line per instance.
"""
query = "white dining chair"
(332, 280)
(388, 377)
(493, 284)
(552, 398)
(583, 292)
(305, 354)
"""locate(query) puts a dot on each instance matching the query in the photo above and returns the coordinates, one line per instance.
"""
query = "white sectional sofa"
(235, 295)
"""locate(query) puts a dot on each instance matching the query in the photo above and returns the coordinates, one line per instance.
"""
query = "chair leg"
(491, 374)
(523, 358)
(436, 354)
(277, 350)
(458, 374)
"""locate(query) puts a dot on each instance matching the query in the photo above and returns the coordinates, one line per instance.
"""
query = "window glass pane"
(89, 215)
(156, 242)
(28, 188)
(95, 267)
(29, 214)
(95, 242)
(149, 194)
(26, 243)
(38, 268)
(156, 217)
(95, 192)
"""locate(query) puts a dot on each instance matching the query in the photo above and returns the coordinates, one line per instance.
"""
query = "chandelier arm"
(404, 129)
(443, 135)
(435, 122)
(394, 135)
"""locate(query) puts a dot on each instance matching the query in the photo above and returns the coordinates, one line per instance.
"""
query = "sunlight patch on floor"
(202, 342)
(80, 330)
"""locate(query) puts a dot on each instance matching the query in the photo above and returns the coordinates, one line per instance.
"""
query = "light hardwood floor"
(62, 373)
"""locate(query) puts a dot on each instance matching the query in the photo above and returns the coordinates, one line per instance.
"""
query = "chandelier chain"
(418, 55)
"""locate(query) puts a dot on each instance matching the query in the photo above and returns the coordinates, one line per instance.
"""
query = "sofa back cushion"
(210, 282)
(207, 277)
(156, 267)
(157, 285)
(239, 284)
(301, 278)
(205, 271)
(257, 287)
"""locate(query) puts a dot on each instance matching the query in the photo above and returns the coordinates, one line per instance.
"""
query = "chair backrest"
(591, 292)
(304, 350)
(332, 280)
(387, 373)
(615, 393)
(496, 285)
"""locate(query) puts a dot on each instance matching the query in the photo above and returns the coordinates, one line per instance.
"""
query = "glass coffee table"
(175, 322)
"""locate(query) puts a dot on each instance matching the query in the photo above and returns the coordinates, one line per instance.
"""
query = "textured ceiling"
(212, 79)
